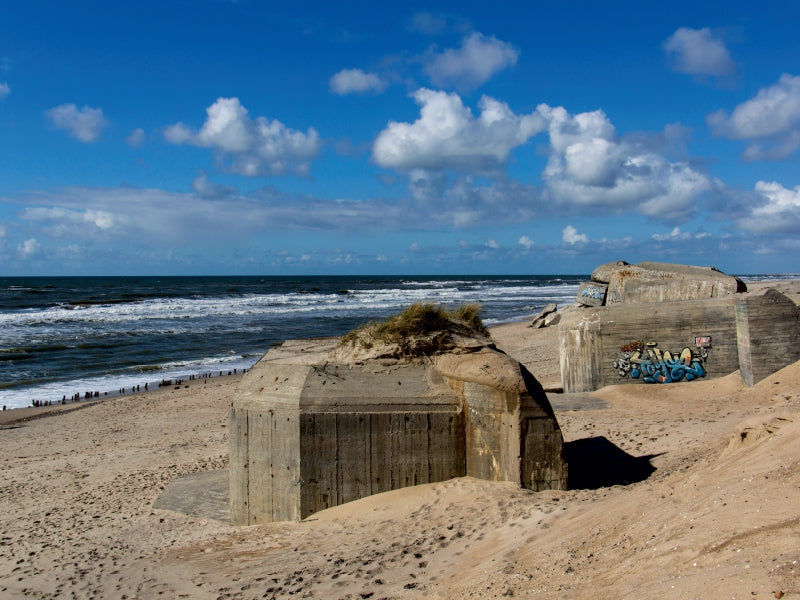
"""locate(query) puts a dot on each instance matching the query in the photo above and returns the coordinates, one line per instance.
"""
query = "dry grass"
(422, 320)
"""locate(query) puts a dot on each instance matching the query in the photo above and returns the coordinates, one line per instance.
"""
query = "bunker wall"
(769, 334)
(667, 342)
(347, 456)
(661, 342)
(308, 436)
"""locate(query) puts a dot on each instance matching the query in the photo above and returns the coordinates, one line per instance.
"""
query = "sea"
(62, 337)
(67, 336)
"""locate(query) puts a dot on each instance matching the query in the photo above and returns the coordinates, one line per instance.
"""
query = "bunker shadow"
(596, 463)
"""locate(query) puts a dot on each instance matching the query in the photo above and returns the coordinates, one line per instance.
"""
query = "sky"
(213, 137)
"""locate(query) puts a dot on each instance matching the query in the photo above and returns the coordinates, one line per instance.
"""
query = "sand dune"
(683, 491)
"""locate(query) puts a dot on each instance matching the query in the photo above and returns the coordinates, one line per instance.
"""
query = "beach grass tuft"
(422, 320)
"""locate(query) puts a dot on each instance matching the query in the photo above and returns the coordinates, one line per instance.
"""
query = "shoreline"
(27, 413)
(106, 394)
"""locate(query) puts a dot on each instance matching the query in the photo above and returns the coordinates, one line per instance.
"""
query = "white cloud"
(29, 248)
(448, 135)
(250, 147)
(356, 81)
(594, 162)
(147, 224)
(566, 130)
(135, 138)
(589, 165)
(442, 199)
(227, 127)
(474, 63)
(570, 235)
(4, 90)
(778, 210)
(67, 222)
(178, 134)
(675, 234)
(772, 119)
(428, 23)
(698, 52)
(85, 124)
(779, 198)
(205, 188)
(161, 219)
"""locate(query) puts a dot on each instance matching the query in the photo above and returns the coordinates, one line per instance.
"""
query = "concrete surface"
(309, 432)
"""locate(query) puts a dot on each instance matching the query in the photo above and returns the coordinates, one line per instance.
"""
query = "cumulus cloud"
(526, 242)
(356, 81)
(447, 134)
(250, 147)
(591, 166)
(29, 248)
(570, 235)
(4, 90)
(85, 124)
(771, 120)
(777, 209)
(698, 52)
(135, 138)
(477, 59)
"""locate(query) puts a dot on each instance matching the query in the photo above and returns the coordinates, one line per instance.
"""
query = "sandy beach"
(685, 491)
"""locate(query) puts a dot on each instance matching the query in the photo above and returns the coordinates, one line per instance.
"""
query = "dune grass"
(420, 320)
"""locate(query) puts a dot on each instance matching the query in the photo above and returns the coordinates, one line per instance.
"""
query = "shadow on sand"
(596, 462)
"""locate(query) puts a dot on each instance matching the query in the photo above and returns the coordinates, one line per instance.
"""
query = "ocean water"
(63, 336)
(71, 335)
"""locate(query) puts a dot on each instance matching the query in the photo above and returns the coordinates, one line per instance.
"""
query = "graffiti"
(703, 342)
(649, 364)
(632, 347)
(594, 292)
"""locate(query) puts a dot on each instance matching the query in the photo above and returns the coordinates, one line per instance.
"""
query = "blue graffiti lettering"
(593, 292)
(658, 367)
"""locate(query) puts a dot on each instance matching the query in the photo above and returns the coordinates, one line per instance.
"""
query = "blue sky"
(219, 137)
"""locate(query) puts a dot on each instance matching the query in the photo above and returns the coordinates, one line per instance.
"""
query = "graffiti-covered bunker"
(656, 323)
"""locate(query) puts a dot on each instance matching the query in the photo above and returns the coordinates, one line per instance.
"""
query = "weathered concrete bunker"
(661, 323)
(623, 283)
(308, 432)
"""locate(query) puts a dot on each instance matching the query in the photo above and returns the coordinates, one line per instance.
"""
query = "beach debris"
(548, 316)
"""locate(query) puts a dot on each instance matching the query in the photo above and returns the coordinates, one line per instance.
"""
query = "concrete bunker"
(662, 323)
(623, 283)
(315, 426)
